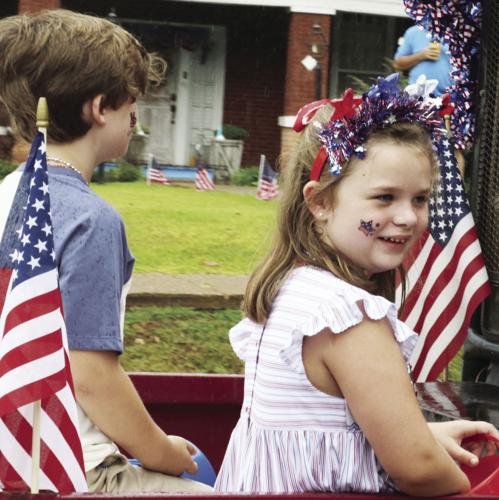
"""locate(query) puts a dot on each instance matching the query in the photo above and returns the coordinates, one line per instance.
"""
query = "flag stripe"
(447, 342)
(445, 295)
(31, 309)
(17, 451)
(7, 471)
(268, 188)
(157, 176)
(437, 262)
(440, 292)
(446, 356)
(202, 180)
(417, 277)
(23, 335)
(447, 289)
(37, 348)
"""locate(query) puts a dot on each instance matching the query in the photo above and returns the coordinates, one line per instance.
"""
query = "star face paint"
(133, 119)
(367, 227)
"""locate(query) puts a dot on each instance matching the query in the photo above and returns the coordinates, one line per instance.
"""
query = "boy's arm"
(108, 397)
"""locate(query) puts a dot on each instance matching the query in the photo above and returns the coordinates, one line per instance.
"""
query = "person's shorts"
(117, 475)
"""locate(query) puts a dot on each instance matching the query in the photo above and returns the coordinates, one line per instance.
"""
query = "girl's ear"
(94, 111)
(317, 203)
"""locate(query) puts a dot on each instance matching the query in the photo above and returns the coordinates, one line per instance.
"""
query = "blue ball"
(205, 474)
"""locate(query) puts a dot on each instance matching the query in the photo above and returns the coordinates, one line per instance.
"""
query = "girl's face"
(380, 208)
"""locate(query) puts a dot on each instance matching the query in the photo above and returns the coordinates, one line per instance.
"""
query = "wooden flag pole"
(260, 169)
(42, 121)
(42, 116)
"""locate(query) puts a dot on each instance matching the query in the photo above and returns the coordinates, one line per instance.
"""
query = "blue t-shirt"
(93, 260)
(415, 40)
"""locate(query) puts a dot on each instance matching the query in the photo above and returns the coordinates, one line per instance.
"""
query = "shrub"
(234, 132)
(122, 172)
(246, 176)
(6, 168)
(128, 172)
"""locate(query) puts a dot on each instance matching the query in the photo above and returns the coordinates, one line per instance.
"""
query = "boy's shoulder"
(72, 199)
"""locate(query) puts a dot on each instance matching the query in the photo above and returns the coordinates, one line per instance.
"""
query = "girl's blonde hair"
(297, 241)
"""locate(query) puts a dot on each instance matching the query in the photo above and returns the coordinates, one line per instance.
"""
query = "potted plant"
(138, 148)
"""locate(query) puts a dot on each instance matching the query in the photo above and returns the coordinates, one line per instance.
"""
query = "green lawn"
(180, 339)
(177, 230)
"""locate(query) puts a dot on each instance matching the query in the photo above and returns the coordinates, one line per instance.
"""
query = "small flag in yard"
(446, 274)
(268, 188)
(154, 174)
(37, 405)
(202, 180)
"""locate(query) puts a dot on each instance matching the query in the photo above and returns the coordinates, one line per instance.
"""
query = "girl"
(329, 404)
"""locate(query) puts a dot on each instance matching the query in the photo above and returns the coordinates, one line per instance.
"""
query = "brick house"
(239, 62)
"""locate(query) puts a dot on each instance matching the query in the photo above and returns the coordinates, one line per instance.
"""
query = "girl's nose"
(405, 216)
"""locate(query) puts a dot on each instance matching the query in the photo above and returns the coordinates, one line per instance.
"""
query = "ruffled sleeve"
(240, 336)
(341, 312)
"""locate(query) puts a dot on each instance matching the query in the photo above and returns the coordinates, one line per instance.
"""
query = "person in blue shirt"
(419, 55)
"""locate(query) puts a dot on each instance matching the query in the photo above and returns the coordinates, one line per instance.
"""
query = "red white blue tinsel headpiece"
(354, 119)
(458, 24)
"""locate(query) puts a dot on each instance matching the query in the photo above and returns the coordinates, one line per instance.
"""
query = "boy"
(91, 72)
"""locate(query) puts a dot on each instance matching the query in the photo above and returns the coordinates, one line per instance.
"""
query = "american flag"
(203, 181)
(268, 188)
(447, 278)
(34, 362)
(154, 174)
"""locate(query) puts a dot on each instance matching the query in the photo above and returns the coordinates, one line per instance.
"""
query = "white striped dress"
(291, 437)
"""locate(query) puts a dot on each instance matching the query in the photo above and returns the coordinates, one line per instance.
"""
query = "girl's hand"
(451, 434)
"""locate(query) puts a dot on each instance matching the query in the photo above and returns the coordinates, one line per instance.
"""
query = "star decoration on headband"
(384, 104)
(346, 105)
(385, 87)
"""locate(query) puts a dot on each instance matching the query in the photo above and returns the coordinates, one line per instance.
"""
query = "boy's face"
(120, 124)
(381, 207)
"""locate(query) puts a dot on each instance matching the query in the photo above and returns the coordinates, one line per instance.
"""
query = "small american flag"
(203, 181)
(34, 361)
(154, 174)
(447, 278)
(268, 188)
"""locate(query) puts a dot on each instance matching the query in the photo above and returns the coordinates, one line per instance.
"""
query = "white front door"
(200, 96)
(157, 113)
(188, 108)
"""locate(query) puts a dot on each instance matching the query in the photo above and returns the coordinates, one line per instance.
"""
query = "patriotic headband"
(384, 104)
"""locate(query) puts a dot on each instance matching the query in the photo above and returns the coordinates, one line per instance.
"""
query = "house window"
(363, 46)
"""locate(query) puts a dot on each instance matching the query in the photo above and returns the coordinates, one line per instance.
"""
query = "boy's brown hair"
(68, 58)
(298, 241)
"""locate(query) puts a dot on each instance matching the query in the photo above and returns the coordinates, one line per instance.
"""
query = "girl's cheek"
(368, 227)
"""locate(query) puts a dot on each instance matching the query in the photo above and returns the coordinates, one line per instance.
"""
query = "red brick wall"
(300, 86)
(37, 5)
(254, 82)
